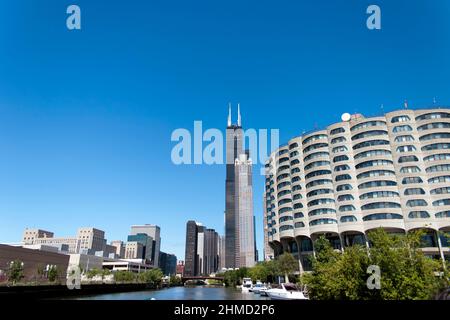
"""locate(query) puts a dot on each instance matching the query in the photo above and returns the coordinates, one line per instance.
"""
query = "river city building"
(390, 171)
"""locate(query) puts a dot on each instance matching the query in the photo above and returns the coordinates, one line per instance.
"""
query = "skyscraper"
(239, 228)
(154, 232)
(190, 255)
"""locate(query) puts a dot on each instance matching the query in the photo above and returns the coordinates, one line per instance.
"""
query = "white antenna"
(229, 114)
(239, 116)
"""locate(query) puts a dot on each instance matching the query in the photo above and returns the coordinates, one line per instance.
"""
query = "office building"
(167, 263)
(154, 232)
(239, 233)
(147, 245)
(201, 255)
(134, 250)
(30, 235)
(120, 248)
(180, 268)
(91, 240)
(391, 171)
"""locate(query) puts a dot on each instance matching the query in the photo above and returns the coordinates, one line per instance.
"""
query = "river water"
(180, 293)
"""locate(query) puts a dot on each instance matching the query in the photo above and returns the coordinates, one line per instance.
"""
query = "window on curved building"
(410, 169)
(411, 180)
(297, 197)
(345, 197)
(317, 173)
(373, 163)
(375, 173)
(314, 138)
(282, 168)
(367, 134)
(372, 153)
(318, 183)
(341, 167)
(283, 193)
(293, 145)
(320, 202)
(281, 152)
(284, 210)
(298, 215)
(295, 170)
(380, 183)
(320, 211)
(294, 154)
(316, 155)
(379, 194)
(317, 164)
(380, 205)
(416, 203)
(295, 179)
(315, 146)
(418, 215)
(297, 187)
(436, 135)
(443, 190)
(344, 219)
(283, 176)
(434, 125)
(283, 184)
(382, 216)
(337, 130)
(338, 140)
(344, 187)
(437, 157)
(339, 149)
(411, 158)
(322, 221)
(414, 191)
(340, 158)
(281, 160)
(285, 218)
(298, 206)
(404, 138)
(286, 227)
(403, 128)
(407, 148)
(347, 208)
(371, 143)
(433, 115)
(403, 118)
(441, 202)
(342, 177)
(284, 201)
(443, 214)
(436, 146)
(367, 124)
(299, 225)
(438, 168)
(441, 179)
(318, 192)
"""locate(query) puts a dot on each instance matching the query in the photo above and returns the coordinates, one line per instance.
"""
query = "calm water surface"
(180, 293)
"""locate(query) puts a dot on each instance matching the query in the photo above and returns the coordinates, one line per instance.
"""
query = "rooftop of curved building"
(360, 116)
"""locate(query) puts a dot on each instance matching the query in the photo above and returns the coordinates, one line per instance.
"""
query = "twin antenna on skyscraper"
(239, 115)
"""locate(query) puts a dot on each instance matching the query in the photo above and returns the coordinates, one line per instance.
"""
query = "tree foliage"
(406, 273)
(15, 271)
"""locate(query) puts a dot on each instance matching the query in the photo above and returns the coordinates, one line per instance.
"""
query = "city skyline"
(86, 117)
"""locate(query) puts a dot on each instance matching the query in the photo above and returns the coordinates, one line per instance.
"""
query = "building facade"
(134, 250)
(167, 263)
(153, 231)
(238, 199)
(391, 171)
(202, 252)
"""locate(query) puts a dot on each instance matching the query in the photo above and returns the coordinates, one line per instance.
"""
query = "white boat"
(247, 284)
(263, 291)
(288, 291)
(257, 287)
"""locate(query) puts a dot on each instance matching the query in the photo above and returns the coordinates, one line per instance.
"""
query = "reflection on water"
(180, 293)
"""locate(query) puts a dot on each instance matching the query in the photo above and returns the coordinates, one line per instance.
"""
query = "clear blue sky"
(86, 116)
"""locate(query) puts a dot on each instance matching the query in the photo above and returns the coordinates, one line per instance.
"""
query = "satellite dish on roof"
(346, 116)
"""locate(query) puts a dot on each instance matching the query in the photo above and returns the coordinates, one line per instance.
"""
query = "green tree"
(124, 276)
(15, 271)
(259, 272)
(287, 264)
(152, 277)
(405, 272)
(53, 274)
(175, 281)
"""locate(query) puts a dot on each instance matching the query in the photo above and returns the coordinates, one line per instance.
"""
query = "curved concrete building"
(391, 171)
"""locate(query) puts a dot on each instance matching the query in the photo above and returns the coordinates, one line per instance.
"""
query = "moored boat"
(288, 291)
